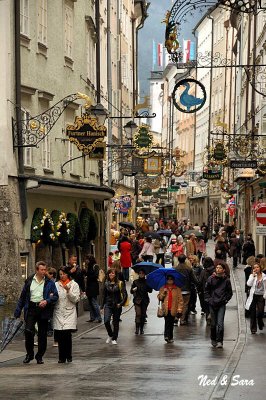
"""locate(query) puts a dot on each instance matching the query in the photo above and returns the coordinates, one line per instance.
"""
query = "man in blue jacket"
(37, 298)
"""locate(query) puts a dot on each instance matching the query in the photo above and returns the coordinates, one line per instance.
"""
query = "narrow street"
(145, 366)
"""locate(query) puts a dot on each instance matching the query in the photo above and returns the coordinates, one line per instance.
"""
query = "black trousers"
(64, 344)
(256, 312)
(160, 257)
(169, 326)
(141, 311)
(34, 316)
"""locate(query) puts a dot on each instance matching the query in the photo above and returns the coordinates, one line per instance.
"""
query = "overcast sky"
(154, 30)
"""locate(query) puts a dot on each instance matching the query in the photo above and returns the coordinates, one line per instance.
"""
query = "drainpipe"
(98, 72)
(21, 181)
(109, 93)
(210, 111)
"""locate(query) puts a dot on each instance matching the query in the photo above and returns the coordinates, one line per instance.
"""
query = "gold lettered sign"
(153, 165)
(86, 134)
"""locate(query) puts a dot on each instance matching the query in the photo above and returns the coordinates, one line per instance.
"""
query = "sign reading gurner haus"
(86, 134)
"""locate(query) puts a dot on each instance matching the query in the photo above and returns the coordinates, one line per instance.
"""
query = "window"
(69, 23)
(25, 117)
(24, 17)
(90, 57)
(46, 152)
(42, 22)
(125, 69)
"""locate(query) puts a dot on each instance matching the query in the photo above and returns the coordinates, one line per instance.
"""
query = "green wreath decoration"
(88, 225)
(61, 226)
(42, 227)
(75, 232)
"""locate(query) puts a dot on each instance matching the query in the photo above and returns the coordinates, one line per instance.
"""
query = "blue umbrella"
(148, 267)
(157, 279)
(165, 232)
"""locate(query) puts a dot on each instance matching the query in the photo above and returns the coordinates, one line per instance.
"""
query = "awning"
(48, 186)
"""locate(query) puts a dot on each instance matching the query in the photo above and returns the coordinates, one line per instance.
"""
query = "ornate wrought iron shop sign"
(86, 134)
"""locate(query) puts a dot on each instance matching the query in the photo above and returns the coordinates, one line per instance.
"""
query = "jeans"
(64, 339)
(108, 313)
(169, 326)
(35, 316)
(217, 323)
(94, 309)
(256, 312)
(126, 273)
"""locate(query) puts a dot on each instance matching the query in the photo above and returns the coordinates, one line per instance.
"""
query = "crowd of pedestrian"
(50, 298)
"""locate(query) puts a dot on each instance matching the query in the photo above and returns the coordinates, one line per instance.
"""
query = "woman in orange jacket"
(172, 299)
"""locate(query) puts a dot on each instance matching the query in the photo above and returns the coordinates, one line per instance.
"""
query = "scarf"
(64, 283)
(170, 296)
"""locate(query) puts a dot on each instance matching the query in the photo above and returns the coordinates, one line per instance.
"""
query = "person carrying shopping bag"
(172, 299)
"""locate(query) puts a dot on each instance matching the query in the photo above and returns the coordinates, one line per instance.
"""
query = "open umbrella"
(165, 232)
(153, 235)
(10, 328)
(147, 266)
(196, 233)
(127, 225)
(157, 278)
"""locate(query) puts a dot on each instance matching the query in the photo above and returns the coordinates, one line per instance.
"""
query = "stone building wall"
(11, 243)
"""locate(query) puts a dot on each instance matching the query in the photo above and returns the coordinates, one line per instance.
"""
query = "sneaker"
(108, 340)
(99, 321)
(202, 313)
(171, 341)
(219, 345)
(166, 339)
(35, 343)
(214, 343)
(114, 342)
(55, 344)
(194, 312)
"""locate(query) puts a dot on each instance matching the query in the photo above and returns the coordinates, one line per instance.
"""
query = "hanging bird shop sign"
(87, 135)
(189, 95)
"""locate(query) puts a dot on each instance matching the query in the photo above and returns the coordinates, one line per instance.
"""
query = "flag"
(154, 53)
(186, 50)
(192, 53)
(160, 54)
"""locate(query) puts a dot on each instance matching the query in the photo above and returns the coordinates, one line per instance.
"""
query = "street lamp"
(99, 112)
(130, 129)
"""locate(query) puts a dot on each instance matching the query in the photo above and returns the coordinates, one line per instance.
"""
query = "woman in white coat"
(65, 314)
(256, 299)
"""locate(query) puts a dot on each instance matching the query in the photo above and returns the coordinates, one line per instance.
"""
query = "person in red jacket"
(125, 247)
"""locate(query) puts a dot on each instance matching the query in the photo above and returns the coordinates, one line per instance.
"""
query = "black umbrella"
(127, 225)
(10, 328)
(165, 232)
(196, 233)
(151, 234)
